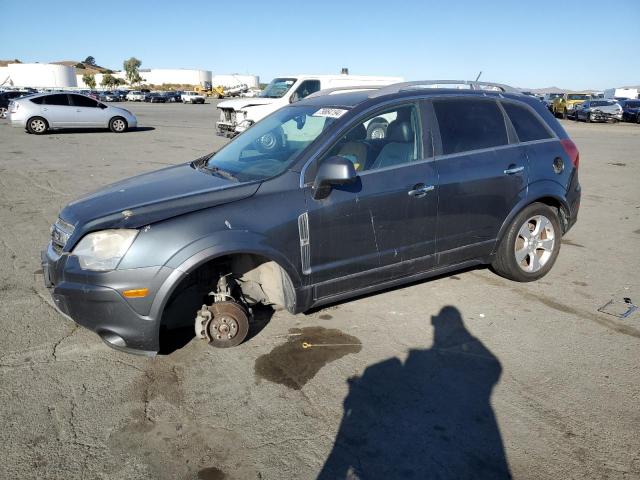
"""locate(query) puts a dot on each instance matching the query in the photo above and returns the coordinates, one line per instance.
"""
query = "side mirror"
(333, 171)
(294, 97)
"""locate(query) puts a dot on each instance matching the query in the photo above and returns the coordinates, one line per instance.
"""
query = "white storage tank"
(183, 76)
(41, 75)
(233, 80)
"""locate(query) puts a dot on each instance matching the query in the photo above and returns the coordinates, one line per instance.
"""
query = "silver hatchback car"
(41, 112)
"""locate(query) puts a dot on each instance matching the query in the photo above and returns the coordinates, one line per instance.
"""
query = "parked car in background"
(6, 97)
(122, 94)
(135, 96)
(565, 105)
(172, 96)
(42, 112)
(301, 210)
(598, 111)
(549, 98)
(192, 97)
(155, 97)
(110, 97)
(630, 110)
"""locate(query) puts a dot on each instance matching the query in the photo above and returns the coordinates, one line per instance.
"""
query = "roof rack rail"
(352, 88)
(465, 84)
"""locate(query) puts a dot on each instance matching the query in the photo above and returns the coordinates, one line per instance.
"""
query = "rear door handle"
(513, 170)
(420, 190)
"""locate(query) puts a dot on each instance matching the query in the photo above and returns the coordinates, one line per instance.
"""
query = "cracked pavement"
(566, 378)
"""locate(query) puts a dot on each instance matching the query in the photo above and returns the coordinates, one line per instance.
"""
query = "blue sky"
(569, 44)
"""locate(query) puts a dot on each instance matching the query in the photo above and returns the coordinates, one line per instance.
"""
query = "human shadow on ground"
(427, 418)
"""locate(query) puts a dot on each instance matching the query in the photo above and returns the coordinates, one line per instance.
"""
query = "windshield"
(577, 96)
(278, 87)
(270, 146)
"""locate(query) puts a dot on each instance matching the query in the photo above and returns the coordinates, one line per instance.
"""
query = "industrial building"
(38, 75)
(51, 75)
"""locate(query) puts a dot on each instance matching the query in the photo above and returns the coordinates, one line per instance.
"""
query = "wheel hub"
(534, 243)
(223, 324)
(224, 327)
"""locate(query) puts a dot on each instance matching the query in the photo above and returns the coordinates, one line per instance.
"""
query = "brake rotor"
(223, 324)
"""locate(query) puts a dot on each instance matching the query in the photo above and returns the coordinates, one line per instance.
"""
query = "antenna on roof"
(478, 77)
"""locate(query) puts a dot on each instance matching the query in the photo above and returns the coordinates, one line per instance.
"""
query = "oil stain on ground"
(292, 365)
(211, 473)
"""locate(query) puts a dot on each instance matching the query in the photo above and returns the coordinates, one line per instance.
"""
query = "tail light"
(572, 151)
(13, 107)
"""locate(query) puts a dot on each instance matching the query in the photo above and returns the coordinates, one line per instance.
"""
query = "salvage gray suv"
(306, 208)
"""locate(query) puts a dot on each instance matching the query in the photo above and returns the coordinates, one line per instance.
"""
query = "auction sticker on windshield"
(330, 112)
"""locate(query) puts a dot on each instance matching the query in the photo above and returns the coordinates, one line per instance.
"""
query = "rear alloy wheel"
(118, 125)
(37, 125)
(531, 245)
(589, 119)
(3, 112)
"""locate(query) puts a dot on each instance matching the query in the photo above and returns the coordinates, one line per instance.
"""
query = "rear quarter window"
(526, 124)
(470, 124)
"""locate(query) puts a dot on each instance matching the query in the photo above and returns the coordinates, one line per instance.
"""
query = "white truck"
(192, 97)
(239, 114)
(620, 93)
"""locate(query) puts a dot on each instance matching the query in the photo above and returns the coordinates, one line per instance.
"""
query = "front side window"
(470, 124)
(272, 145)
(577, 96)
(60, 99)
(385, 139)
(306, 88)
(278, 88)
(527, 126)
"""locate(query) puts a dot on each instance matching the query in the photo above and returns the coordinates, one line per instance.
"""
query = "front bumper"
(226, 129)
(94, 300)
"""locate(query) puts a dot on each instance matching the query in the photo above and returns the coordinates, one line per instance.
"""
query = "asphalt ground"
(463, 376)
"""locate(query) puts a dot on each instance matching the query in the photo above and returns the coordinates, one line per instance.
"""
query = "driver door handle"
(513, 169)
(420, 190)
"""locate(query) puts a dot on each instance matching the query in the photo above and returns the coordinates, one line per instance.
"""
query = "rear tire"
(531, 245)
(118, 125)
(565, 114)
(37, 125)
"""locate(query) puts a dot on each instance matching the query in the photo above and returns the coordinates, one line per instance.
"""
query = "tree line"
(132, 73)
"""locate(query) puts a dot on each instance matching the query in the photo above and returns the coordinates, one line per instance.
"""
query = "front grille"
(60, 233)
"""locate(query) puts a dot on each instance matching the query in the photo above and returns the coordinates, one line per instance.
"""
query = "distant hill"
(81, 67)
(544, 90)
(90, 69)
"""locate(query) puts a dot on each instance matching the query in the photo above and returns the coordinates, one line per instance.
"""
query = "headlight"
(102, 251)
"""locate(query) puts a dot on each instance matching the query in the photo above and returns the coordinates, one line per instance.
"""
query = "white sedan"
(41, 112)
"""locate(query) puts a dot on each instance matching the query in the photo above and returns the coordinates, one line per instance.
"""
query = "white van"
(239, 114)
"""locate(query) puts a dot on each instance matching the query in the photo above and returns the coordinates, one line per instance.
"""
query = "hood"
(151, 197)
(240, 103)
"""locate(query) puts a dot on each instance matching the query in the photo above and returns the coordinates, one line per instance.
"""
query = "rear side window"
(527, 126)
(470, 124)
(82, 101)
(58, 99)
(38, 100)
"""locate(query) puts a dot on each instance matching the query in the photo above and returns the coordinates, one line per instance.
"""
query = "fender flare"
(536, 191)
(212, 248)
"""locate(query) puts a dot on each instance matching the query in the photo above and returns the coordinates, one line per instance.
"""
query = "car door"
(482, 175)
(382, 226)
(87, 112)
(55, 108)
